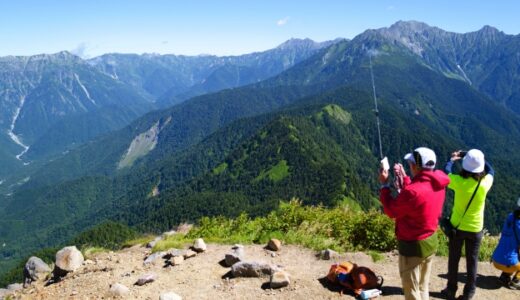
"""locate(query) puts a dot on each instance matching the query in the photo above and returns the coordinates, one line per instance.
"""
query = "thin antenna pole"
(376, 109)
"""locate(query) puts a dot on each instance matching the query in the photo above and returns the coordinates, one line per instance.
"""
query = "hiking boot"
(505, 278)
(514, 284)
(450, 295)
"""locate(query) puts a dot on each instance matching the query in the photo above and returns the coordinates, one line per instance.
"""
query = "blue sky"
(222, 27)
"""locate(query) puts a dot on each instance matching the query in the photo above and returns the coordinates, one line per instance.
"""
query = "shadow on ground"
(483, 281)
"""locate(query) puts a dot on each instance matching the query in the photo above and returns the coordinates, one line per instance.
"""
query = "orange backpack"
(353, 277)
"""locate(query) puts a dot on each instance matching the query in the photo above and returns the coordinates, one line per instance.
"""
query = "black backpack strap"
(469, 203)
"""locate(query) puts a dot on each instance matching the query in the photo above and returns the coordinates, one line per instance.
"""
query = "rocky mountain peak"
(410, 26)
(298, 43)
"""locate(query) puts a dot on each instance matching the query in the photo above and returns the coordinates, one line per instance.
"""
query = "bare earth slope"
(202, 277)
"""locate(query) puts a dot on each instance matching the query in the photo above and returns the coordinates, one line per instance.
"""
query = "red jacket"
(417, 208)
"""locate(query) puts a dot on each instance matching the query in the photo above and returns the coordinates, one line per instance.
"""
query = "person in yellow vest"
(471, 186)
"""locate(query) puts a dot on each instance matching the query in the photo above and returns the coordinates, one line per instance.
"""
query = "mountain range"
(243, 133)
(53, 103)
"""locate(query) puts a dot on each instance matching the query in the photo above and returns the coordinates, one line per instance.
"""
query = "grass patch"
(276, 173)
(177, 241)
(488, 245)
(338, 113)
(89, 252)
(220, 168)
(142, 240)
(376, 256)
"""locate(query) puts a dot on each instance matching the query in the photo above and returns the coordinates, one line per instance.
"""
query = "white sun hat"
(474, 161)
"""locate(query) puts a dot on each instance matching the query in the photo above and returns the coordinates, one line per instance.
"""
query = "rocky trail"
(205, 276)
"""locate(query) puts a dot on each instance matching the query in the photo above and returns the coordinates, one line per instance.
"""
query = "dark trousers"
(471, 240)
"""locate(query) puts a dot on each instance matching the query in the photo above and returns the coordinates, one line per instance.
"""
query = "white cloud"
(283, 21)
(81, 50)
(391, 7)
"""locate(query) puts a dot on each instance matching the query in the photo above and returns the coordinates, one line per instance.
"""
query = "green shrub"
(314, 227)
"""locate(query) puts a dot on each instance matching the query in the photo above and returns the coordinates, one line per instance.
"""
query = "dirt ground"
(203, 277)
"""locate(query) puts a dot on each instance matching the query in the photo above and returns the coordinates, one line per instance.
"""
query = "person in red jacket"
(416, 211)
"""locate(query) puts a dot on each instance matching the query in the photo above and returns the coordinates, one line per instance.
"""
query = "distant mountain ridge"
(170, 79)
(486, 59)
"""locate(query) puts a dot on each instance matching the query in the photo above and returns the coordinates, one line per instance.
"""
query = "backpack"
(354, 277)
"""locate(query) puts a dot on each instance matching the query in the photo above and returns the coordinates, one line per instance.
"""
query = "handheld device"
(384, 164)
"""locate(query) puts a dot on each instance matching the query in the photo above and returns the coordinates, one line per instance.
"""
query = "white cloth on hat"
(474, 161)
(428, 157)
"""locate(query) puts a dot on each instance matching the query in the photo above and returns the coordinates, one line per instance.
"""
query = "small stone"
(328, 254)
(88, 262)
(147, 278)
(74, 293)
(69, 259)
(236, 246)
(153, 257)
(231, 259)
(184, 228)
(119, 290)
(199, 245)
(174, 252)
(252, 269)
(235, 256)
(177, 260)
(15, 287)
(279, 279)
(35, 269)
(154, 242)
(190, 254)
(273, 254)
(4, 292)
(170, 296)
(274, 244)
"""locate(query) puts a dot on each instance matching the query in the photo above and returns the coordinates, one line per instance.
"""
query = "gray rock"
(274, 244)
(177, 260)
(153, 257)
(170, 296)
(230, 259)
(119, 290)
(147, 278)
(35, 269)
(154, 242)
(69, 259)
(199, 245)
(329, 254)
(235, 256)
(13, 287)
(189, 254)
(4, 292)
(184, 228)
(174, 252)
(236, 246)
(252, 269)
(279, 279)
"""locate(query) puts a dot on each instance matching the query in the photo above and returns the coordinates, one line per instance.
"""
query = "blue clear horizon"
(228, 27)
